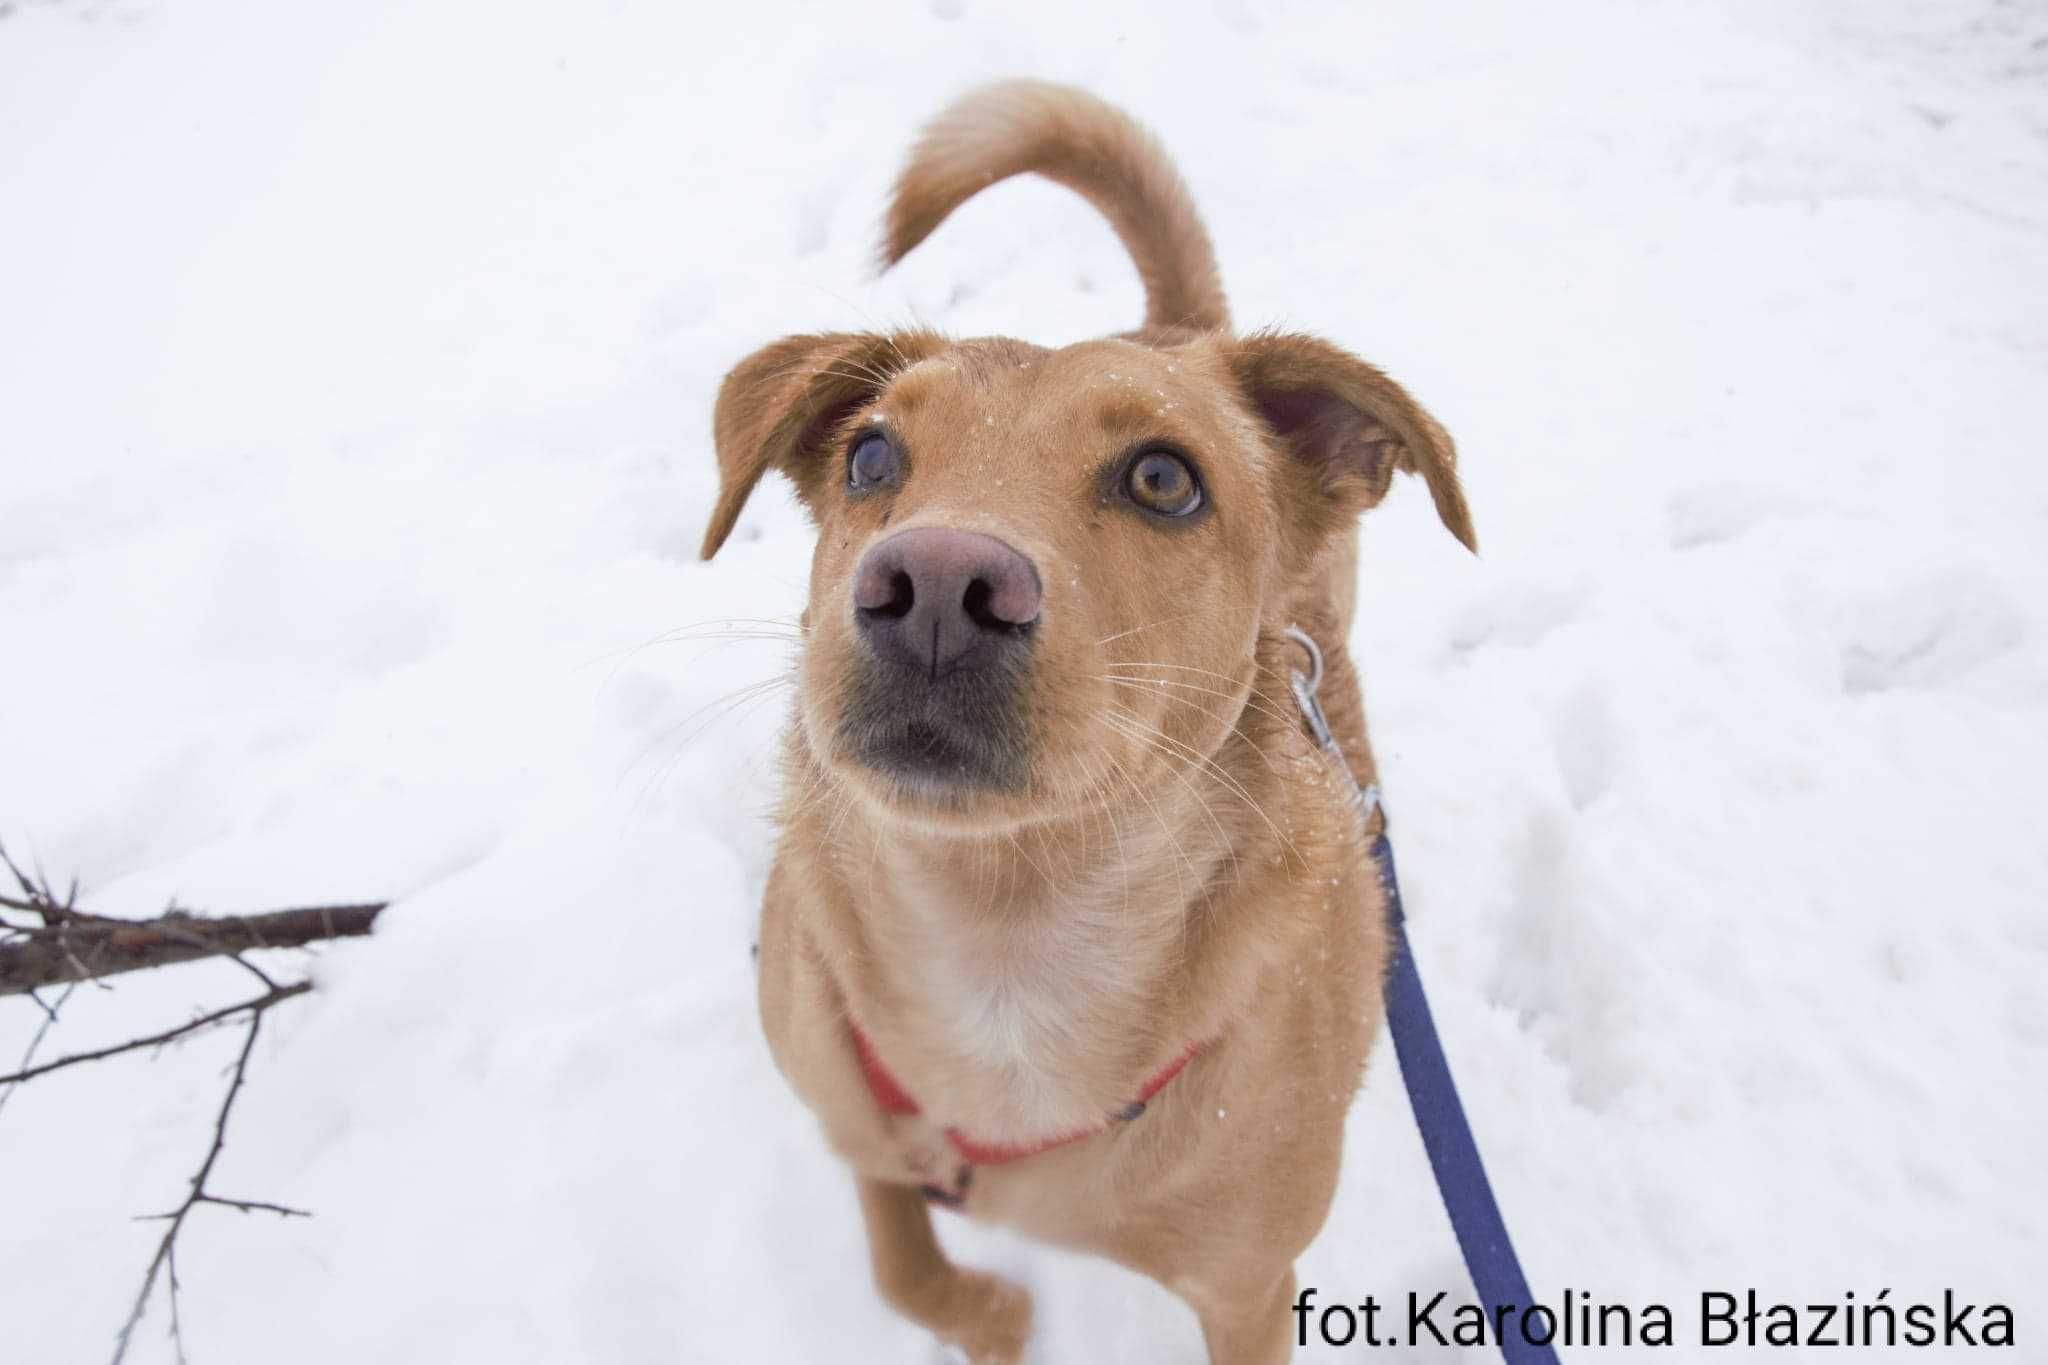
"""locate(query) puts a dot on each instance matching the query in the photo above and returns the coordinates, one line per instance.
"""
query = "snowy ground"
(355, 369)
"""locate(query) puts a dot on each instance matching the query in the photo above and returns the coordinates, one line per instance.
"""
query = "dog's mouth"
(941, 738)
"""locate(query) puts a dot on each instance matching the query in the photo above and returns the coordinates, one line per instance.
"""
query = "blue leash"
(1425, 1071)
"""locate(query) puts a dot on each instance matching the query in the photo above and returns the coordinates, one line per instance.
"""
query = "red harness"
(894, 1099)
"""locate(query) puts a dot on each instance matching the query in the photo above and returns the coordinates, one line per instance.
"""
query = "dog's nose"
(938, 599)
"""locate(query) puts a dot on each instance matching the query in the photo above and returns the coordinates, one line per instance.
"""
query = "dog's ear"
(1348, 428)
(780, 405)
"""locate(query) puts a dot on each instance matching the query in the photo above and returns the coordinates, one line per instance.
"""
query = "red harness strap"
(894, 1099)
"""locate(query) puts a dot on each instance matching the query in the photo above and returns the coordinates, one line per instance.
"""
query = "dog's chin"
(919, 777)
(920, 774)
(953, 754)
(930, 804)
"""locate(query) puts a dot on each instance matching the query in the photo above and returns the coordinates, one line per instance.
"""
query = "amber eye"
(873, 461)
(1160, 481)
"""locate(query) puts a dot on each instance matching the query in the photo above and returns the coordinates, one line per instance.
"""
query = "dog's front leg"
(987, 1317)
(1247, 1324)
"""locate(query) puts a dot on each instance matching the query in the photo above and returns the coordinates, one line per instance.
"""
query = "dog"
(1071, 927)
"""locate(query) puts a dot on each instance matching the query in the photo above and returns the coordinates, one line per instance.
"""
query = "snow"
(355, 443)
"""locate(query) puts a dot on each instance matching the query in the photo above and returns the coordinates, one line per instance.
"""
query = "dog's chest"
(1020, 996)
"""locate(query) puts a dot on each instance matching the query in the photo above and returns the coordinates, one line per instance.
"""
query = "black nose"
(940, 600)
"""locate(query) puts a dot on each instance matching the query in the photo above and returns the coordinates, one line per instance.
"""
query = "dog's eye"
(1160, 481)
(872, 462)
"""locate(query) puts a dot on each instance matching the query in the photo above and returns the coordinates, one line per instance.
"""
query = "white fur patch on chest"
(1018, 992)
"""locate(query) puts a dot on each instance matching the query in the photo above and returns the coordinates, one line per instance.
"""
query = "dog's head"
(1041, 575)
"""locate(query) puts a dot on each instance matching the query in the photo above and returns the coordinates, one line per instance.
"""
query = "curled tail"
(1074, 139)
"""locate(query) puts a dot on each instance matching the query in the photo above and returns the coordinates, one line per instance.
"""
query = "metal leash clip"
(1304, 688)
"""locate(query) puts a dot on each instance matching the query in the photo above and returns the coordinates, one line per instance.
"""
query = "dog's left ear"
(779, 408)
(1348, 427)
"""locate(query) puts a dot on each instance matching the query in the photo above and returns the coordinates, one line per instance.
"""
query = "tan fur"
(1018, 127)
(1180, 864)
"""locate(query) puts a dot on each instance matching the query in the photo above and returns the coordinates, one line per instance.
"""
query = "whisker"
(716, 630)
(845, 805)
(823, 785)
(1138, 731)
(1256, 690)
(739, 702)
(1166, 829)
(702, 718)
(736, 695)
(1227, 678)
(1209, 764)
(1149, 626)
(1015, 843)
(1146, 683)
(1146, 688)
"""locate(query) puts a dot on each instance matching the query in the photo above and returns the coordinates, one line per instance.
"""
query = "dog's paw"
(950, 1193)
(904, 1151)
(989, 1319)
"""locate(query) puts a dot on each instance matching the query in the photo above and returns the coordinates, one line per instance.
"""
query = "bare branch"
(252, 1007)
(166, 1258)
(72, 946)
(246, 965)
(255, 1206)
(42, 1031)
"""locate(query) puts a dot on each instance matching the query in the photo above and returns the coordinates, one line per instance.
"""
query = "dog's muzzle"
(946, 619)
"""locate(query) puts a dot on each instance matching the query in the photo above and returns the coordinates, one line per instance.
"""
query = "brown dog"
(1071, 927)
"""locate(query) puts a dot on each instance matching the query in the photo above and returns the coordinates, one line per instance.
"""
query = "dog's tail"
(1095, 149)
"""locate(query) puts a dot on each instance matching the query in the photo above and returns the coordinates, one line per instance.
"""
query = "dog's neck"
(1041, 973)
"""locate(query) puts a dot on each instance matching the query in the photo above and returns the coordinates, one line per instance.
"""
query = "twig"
(167, 1249)
(255, 1006)
(42, 1031)
(253, 1206)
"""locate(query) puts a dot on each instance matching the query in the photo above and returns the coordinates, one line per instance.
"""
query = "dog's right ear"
(782, 404)
(1348, 428)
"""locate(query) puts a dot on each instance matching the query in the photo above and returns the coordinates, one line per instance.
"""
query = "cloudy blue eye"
(872, 462)
(1162, 482)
